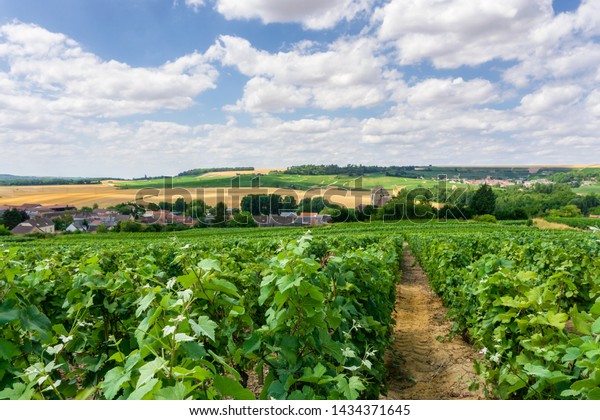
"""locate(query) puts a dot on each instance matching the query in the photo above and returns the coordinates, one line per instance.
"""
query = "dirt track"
(424, 364)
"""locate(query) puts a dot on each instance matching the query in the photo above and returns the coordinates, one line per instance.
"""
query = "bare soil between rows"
(424, 364)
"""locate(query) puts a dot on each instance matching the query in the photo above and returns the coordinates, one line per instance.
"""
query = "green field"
(278, 180)
(588, 189)
(191, 314)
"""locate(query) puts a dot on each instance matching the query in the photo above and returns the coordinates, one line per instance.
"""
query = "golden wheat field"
(107, 194)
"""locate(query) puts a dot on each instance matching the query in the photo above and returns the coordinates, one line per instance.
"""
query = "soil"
(424, 363)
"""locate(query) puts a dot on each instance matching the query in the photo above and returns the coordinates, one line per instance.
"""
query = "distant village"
(64, 218)
(44, 219)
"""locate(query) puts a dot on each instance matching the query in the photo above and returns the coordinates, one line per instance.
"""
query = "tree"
(570, 210)
(314, 205)
(129, 226)
(179, 205)
(102, 228)
(242, 219)
(289, 203)
(197, 209)
(153, 207)
(220, 214)
(13, 217)
(261, 204)
(484, 200)
(63, 221)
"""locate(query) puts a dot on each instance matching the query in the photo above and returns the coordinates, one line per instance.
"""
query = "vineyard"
(291, 314)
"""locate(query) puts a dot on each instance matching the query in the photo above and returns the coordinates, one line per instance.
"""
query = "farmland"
(280, 180)
(107, 194)
(287, 313)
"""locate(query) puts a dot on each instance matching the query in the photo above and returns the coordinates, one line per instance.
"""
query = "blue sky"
(132, 87)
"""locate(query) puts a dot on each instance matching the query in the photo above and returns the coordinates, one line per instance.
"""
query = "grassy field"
(278, 180)
(588, 189)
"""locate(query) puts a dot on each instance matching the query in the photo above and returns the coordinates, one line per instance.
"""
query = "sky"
(127, 88)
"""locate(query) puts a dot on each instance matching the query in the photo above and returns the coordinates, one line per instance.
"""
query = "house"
(27, 206)
(312, 219)
(76, 227)
(273, 220)
(164, 217)
(36, 225)
(93, 225)
(379, 197)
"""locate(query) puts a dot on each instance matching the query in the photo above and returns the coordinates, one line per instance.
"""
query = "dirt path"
(424, 364)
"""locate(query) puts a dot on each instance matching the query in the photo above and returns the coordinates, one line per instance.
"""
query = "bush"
(570, 210)
(102, 229)
(485, 218)
(4, 231)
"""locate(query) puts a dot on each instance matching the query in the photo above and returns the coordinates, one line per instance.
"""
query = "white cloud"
(452, 33)
(263, 95)
(574, 61)
(550, 99)
(313, 14)
(58, 100)
(452, 92)
(70, 81)
(347, 74)
(194, 4)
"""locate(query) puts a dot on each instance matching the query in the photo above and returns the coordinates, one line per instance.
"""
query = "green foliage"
(519, 203)
(12, 217)
(62, 223)
(515, 295)
(191, 314)
(313, 205)
(220, 215)
(485, 218)
(102, 229)
(174, 320)
(196, 209)
(409, 204)
(129, 226)
(483, 201)
(242, 220)
(4, 231)
(570, 210)
(262, 204)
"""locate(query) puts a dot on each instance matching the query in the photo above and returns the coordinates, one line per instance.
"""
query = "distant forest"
(13, 180)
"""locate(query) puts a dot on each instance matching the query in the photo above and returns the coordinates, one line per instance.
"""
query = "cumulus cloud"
(550, 99)
(69, 81)
(312, 14)
(452, 92)
(451, 33)
(346, 74)
(357, 98)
